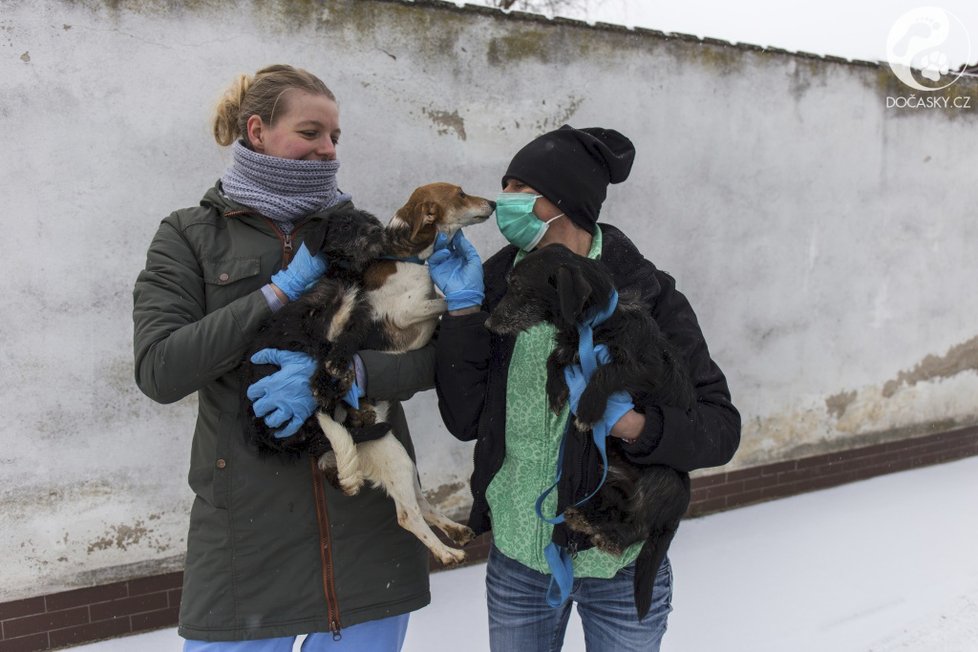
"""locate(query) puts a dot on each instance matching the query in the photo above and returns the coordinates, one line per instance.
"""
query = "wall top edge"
(450, 5)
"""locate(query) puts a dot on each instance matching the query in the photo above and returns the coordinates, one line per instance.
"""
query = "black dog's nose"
(492, 205)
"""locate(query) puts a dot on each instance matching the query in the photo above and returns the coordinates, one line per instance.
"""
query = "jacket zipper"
(326, 551)
(286, 240)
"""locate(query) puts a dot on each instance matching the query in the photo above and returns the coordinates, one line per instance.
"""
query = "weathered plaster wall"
(824, 240)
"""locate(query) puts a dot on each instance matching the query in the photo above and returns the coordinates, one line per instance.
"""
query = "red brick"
(706, 506)
(18, 608)
(708, 481)
(91, 595)
(156, 583)
(44, 622)
(127, 606)
(760, 483)
(90, 632)
(744, 474)
(31, 643)
(155, 619)
(778, 467)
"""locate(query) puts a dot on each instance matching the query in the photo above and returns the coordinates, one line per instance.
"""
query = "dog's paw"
(365, 417)
(460, 534)
(581, 425)
(576, 521)
(449, 556)
(341, 373)
(605, 543)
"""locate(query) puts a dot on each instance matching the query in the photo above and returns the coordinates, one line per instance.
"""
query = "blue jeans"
(384, 635)
(520, 620)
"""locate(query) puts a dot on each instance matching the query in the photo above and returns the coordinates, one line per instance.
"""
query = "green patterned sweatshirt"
(533, 434)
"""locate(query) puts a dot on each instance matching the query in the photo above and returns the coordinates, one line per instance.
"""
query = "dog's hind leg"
(388, 465)
(348, 468)
(460, 534)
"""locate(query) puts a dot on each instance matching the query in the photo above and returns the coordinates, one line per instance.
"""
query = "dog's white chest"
(408, 305)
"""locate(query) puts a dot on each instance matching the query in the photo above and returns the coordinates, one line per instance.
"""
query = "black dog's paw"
(557, 393)
(576, 521)
(589, 411)
(341, 373)
(362, 418)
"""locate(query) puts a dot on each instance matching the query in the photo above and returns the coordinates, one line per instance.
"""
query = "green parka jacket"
(272, 549)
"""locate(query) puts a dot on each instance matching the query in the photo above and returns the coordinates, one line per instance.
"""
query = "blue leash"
(558, 559)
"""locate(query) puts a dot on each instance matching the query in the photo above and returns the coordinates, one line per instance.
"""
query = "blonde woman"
(273, 551)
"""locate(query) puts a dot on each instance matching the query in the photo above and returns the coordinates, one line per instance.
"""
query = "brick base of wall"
(84, 615)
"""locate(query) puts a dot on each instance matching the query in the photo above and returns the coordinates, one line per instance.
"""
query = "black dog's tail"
(673, 490)
(647, 565)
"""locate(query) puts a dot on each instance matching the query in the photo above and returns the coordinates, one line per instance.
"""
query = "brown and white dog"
(404, 308)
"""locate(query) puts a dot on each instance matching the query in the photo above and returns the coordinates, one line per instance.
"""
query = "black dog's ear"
(315, 238)
(573, 291)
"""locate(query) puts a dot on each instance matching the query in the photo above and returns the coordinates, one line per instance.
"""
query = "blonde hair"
(261, 95)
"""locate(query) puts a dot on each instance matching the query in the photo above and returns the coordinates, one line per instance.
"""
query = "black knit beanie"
(573, 167)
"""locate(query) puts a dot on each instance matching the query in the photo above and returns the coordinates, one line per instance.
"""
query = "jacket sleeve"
(398, 376)
(461, 372)
(709, 433)
(178, 347)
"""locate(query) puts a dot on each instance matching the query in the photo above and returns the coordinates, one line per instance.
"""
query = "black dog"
(323, 323)
(636, 503)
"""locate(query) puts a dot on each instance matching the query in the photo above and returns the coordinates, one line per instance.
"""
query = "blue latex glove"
(456, 269)
(286, 395)
(353, 396)
(618, 403)
(304, 270)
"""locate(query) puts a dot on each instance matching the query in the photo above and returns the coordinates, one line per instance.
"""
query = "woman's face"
(308, 131)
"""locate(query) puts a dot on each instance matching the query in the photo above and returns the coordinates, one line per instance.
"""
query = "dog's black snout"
(492, 206)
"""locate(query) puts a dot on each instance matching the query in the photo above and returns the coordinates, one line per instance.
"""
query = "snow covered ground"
(884, 565)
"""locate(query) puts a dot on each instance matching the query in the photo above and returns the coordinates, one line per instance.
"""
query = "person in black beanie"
(492, 389)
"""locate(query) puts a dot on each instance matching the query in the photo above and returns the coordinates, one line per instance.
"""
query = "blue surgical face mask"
(516, 221)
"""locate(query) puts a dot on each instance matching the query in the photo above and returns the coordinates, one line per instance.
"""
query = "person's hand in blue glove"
(455, 267)
(619, 403)
(304, 270)
(286, 395)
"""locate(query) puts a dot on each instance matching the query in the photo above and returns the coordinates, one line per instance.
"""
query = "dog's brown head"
(432, 209)
(552, 284)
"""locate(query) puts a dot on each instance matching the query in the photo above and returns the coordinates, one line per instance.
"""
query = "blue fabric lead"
(558, 559)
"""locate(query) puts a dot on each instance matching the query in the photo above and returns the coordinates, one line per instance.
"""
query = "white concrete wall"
(824, 240)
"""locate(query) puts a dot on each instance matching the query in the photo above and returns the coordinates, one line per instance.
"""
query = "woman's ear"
(573, 292)
(256, 133)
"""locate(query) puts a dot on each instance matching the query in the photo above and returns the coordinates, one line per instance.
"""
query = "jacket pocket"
(226, 279)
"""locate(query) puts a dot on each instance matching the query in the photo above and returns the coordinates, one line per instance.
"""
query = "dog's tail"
(647, 566)
(345, 450)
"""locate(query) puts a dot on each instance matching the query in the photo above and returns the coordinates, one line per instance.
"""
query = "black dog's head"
(552, 284)
(349, 236)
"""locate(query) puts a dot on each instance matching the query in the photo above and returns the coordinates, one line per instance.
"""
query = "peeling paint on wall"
(445, 122)
(959, 359)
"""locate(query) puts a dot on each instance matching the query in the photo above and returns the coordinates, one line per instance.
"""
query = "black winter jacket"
(472, 366)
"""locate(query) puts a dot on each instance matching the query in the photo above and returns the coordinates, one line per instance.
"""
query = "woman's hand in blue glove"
(456, 269)
(304, 270)
(286, 395)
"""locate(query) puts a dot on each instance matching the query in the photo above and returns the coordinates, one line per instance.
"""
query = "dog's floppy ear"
(315, 238)
(426, 213)
(573, 291)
